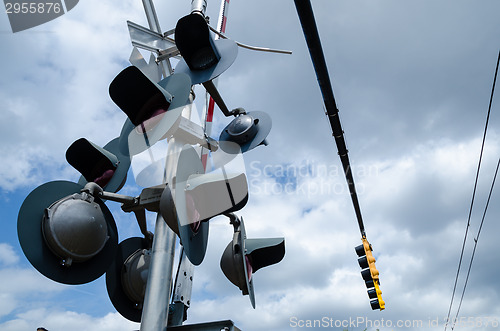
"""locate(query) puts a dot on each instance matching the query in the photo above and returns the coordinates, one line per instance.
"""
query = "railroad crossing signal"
(67, 235)
(155, 109)
(243, 257)
(203, 58)
(106, 166)
(370, 274)
(199, 197)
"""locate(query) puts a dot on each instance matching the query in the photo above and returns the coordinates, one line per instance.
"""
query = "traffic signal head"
(243, 257)
(126, 277)
(367, 262)
(68, 236)
(106, 166)
(203, 57)
(245, 132)
(154, 109)
(370, 274)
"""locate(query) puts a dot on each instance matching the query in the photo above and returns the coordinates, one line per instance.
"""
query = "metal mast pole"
(313, 41)
(159, 284)
(156, 299)
(199, 6)
(154, 25)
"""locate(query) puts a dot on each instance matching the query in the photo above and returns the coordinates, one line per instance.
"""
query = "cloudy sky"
(412, 80)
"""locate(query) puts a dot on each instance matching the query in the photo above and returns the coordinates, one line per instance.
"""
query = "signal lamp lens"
(360, 250)
(363, 262)
(249, 268)
(151, 122)
(104, 179)
(375, 304)
(193, 214)
(372, 293)
(366, 274)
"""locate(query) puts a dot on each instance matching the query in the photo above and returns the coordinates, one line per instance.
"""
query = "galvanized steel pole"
(306, 17)
(156, 299)
(159, 283)
(198, 6)
(154, 25)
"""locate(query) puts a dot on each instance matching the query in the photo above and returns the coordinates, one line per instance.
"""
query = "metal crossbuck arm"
(152, 41)
(155, 42)
(253, 48)
(165, 46)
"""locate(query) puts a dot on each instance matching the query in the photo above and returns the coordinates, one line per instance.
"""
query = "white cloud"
(19, 284)
(25, 281)
(7, 254)
(412, 82)
(59, 89)
(64, 320)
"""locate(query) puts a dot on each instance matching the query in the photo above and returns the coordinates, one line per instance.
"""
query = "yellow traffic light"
(370, 274)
